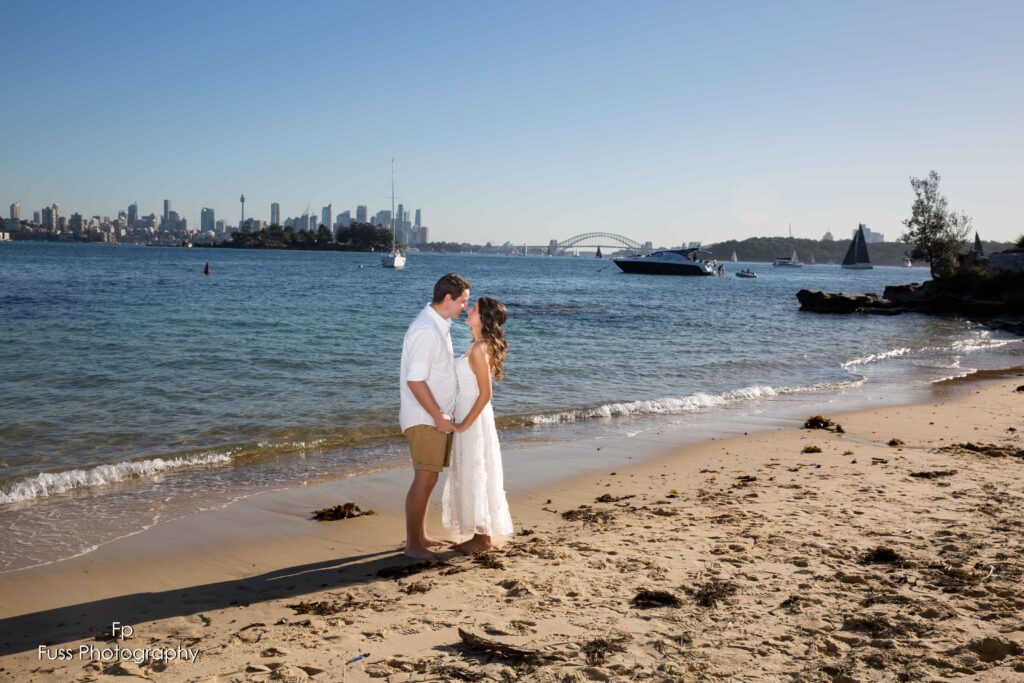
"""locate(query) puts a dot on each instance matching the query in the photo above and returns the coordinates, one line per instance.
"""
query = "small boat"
(747, 273)
(206, 269)
(599, 253)
(857, 255)
(907, 262)
(734, 259)
(669, 262)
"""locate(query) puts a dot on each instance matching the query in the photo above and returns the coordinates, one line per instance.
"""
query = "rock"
(818, 301)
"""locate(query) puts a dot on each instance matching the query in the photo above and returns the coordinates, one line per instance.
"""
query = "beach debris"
(883, 555)
(525, 532)
(490, 646)
(894, 442)
(847, 452)
(712, 592)
(400, 571)
(597, 650)
(746, 478)
(879, 461)
(647, 599)
(933, 474)
(822, 422)
(588, 515)
(358, 657)
(609, 498)
(323, 608)
(989, 449)
(811, 448)
(345, 511)
(1020, 389)
(488, 561)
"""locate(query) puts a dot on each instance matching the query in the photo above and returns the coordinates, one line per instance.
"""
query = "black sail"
(862, 246)
(851, 253)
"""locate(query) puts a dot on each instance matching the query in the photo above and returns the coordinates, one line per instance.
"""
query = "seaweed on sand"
(646, 599)
(346, 511)
(822, 422)
(712, 592)
(598, 649)
(811, 448)
(489, 646)
(588, 515)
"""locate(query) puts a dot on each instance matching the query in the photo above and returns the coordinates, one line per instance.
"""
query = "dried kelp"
(346, 511)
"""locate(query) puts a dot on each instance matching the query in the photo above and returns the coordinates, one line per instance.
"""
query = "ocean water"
(133, 388)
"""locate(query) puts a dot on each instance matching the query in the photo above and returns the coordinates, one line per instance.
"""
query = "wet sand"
(739, 557)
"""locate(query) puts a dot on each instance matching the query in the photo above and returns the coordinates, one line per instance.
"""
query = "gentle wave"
(52, 483)
(875, 357)
(685, 404)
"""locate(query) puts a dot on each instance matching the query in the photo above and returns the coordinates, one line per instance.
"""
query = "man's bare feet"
(419, 553)
(477, 544)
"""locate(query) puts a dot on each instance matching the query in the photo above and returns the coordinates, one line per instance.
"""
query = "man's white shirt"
(427, 355)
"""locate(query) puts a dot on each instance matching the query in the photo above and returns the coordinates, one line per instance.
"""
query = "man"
(429, 389)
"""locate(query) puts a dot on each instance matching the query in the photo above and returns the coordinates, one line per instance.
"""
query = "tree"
(936, 233)
(1020, 241)
(323, 235)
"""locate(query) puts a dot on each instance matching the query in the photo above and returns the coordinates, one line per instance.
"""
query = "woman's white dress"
(474, 501)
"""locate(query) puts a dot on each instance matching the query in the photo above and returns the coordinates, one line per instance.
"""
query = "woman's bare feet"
(433, 542)
(478, 544)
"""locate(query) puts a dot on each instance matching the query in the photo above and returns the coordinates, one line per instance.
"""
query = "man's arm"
(421, 391)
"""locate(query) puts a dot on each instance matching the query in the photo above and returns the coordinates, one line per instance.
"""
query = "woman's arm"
(479, 363)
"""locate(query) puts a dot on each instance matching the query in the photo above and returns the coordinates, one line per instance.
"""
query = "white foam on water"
(685, 404)
(52, 483)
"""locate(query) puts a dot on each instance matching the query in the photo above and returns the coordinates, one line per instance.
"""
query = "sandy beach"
(893, 553)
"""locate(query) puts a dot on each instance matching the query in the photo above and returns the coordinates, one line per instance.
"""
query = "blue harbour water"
(133, 388)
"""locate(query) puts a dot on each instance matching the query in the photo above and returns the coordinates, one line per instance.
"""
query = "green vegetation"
(766, 248)
(936, 233)
(1020, 242)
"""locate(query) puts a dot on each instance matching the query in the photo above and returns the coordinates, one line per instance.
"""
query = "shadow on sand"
(86, 620)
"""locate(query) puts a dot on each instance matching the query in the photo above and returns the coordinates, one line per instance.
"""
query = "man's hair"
(451, 284)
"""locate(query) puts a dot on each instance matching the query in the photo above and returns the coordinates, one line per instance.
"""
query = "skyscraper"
(400, 217)
(361, 213)
(167, 209)
(327, 215)
(49, 221)
(207, 220)
(275, 214)
(15, 211)
(418, 221)
(37, 218)
(133, 214)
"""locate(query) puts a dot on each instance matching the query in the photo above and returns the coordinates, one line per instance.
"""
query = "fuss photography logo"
(118, 652)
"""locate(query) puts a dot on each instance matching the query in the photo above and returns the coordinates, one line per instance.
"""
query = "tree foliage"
(936, 233)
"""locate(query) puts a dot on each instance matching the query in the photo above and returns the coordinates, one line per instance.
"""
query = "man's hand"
(443, 423)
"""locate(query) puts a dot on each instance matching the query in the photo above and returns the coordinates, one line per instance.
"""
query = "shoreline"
(200, 568)
(192, 491)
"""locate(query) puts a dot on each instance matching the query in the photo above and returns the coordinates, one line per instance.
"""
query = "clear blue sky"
(526, 121)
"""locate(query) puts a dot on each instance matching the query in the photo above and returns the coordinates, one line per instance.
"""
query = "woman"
(474, 501)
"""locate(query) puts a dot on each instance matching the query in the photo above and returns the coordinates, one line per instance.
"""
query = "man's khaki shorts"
(431, 450)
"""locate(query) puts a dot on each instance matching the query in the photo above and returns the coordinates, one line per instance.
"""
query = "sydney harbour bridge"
(593, 240)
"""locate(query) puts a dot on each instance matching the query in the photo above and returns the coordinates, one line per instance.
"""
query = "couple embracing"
(447, 419)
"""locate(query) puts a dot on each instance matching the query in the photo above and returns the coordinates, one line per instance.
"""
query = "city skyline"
(529, 122)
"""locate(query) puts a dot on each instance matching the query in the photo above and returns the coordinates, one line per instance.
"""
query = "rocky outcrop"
(843, 302)
(996, 298)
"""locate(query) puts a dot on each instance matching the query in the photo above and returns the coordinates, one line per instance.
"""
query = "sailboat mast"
(393, 238)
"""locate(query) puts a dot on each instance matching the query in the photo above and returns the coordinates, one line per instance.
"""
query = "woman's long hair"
(492, 316)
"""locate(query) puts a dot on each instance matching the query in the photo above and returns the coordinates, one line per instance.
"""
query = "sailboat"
(393, 258)
(857, 255)
(788, 261)
(813, 262)
(734, 259)
(599, 253)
